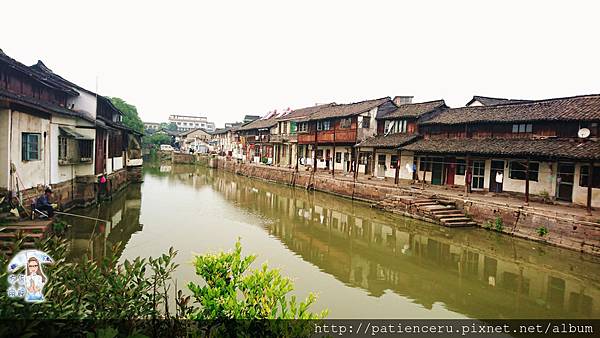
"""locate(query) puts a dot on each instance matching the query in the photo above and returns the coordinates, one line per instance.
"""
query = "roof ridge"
(414, 103)
(529, 102)
(363, 101)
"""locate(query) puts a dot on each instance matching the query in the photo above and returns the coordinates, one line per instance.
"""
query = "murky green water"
(362, 263)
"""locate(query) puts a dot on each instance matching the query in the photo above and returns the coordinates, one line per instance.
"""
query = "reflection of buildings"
(96, 239)
(472, 272)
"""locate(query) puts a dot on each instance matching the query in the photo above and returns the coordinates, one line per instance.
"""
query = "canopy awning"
(71, 133)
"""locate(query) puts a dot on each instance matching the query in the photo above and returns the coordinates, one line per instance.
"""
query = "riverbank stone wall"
(575, 233)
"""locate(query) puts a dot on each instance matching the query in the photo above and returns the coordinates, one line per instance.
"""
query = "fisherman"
(43, 203)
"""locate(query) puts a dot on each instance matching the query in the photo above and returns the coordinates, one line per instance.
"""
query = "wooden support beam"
(468, 174)
(373, 165)
(527, 182)
(356, 157)
(589, 188)
(398, 161)
(297, 154)
(424, 171)
(315, 152)
(333, 157)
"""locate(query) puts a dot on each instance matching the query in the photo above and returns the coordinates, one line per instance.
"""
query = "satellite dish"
(583, 133)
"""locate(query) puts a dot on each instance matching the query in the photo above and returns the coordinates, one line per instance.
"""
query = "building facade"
(189, 122)
(547, 148)
(50, 130)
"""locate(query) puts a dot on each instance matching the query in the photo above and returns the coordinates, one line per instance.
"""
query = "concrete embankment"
(574, 232)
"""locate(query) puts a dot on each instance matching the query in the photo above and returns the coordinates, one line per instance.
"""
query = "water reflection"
(98, 238)
(474, 272)
(470, 272)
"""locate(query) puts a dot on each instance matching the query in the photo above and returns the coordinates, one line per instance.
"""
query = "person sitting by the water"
(43, 203)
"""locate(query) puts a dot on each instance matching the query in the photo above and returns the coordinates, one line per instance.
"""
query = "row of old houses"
(547, 148)
(55, 133)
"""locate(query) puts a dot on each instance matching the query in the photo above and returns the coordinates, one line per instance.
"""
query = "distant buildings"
(153, 126)
(188, 122)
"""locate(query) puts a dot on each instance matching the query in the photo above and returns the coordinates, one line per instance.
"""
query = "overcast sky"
(224, 59)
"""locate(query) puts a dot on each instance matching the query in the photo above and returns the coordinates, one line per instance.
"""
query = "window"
(62, 148)
(302, 127)
(461, 167)
(366, 122)
(346, 122)
(381, 159)
(85, 150)
(395, 126)
(338, 157)
(31, 146)
(293, 127)
(320, 154)
(323, 125)
(522, 128)
(584, 174)
(518, 170)
(394, 161)
(425, 164)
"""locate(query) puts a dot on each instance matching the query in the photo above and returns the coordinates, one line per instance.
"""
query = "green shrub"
(542, 231)
(259, 294)
(498, 224)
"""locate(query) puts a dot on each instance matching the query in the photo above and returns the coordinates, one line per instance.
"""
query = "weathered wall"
(576, 233)
(81, 191)
(182, 158)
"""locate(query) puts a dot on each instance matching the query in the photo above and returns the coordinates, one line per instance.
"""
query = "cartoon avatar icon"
(34, 279)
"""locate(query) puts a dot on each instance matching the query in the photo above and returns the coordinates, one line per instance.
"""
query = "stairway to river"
(441, 211)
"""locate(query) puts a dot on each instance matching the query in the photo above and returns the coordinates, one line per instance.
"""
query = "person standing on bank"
(43, 203)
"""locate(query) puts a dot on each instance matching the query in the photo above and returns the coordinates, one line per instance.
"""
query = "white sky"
(225, 59)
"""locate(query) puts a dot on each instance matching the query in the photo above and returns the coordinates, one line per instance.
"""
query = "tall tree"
(131, 118)
(169, 126)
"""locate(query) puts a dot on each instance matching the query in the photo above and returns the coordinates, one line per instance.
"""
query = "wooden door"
(565, 180)
(100, 151)
(478, 171)
(450, 170)
(497, 167)
(437, 169)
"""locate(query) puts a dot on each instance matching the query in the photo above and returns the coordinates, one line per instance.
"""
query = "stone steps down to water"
(30, 230)
(440, 211)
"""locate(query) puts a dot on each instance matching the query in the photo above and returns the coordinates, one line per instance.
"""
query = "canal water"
(361, 262)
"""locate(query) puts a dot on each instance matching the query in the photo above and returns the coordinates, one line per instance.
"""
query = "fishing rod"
(81, 216)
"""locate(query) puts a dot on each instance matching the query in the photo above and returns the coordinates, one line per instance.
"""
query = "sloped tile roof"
(342, 110)
(576, 108)
(414, 110)
(547, 148)
(492, 101)
(304, 112)
(388, 141)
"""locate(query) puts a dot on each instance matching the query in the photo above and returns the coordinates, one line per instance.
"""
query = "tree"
(131, 118)
(169, 126)
(156, 139)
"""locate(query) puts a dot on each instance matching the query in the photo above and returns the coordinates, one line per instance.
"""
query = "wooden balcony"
(327, 136)
(281, 138)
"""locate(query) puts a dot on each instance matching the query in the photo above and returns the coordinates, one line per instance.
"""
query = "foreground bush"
(133, 296)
